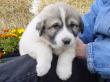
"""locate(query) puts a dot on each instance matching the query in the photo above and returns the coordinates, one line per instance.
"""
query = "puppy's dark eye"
(56, 26)
(72, 25)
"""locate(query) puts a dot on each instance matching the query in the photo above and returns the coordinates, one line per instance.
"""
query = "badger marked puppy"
(54, 30)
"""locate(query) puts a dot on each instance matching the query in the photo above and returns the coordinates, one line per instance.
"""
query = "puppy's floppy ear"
(81, 25)
(40, 27)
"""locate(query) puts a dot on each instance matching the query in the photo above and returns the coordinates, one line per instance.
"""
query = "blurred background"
(16, 14)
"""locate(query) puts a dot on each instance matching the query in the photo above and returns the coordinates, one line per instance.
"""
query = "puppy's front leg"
(43, 54)
(64, 65)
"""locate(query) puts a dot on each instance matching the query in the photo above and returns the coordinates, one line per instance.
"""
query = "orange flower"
(7, 35)
(5, 29)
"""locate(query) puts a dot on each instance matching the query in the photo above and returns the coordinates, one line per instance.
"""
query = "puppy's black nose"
(66, 41)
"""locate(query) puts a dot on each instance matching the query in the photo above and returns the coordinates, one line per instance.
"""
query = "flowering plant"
(9, 40)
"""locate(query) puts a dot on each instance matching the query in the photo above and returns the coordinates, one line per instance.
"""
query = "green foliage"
(9, 44)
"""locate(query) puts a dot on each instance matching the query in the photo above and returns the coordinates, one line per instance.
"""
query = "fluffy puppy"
(53, 30)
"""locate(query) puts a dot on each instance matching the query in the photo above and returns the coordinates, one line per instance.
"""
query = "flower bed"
(9, 41)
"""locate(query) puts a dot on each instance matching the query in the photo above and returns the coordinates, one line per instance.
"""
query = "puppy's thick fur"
(54, 30)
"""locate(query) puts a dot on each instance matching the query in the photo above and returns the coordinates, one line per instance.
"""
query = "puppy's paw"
(64, 72)
(43, 69)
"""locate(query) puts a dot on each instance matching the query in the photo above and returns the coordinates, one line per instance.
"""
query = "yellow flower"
(20, 30)
(13, 31)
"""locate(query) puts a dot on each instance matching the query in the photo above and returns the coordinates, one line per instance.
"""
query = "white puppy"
(54, 30)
